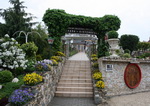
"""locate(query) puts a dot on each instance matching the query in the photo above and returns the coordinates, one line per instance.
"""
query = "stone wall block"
(44, 92)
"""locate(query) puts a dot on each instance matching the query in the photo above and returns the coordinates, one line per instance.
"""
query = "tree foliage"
(143, 46)
(3, 30)
(129, 42)
(41, 41)
(58, 21)
(112, 34)
(16, 19)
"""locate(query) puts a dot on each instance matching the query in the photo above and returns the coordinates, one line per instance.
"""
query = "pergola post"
(67, 47)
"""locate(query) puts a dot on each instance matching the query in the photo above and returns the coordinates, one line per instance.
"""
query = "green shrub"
(5, 76)
(93, 55)
(127, 51)
(112, 34)
(19, 71)
(95, 65)
(95, 71)
(39, 57)
(55, 63)
(9, 87)
(57, 58)
(126, 55)
(94, 59)
(117, 51)
(30, 67)
(60, 54)
(30, 49)
(145, 55)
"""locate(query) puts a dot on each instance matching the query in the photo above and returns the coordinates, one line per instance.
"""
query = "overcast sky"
(134, 14)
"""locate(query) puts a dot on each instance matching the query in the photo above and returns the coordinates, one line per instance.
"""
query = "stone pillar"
(67, 48)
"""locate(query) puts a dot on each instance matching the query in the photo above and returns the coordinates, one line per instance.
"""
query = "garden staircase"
(75, 80)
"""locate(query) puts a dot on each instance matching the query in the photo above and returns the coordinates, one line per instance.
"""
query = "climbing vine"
(58, 22)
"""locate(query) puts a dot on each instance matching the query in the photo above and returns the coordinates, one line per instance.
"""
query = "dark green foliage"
(58, 21)
(5, 76)
(47, 52)
(95, 71)
(18, 71)
(102, 48)
(95, 65)
(129, 42)
(16, 19)
(127, 51)
(9, 87)
(40, 41)
(126, 55)
(73, 52)
(38, 57)
(3, 30)
(144, 55)
(143, 46)
(112, 34)
(30, 67)
(30, 49)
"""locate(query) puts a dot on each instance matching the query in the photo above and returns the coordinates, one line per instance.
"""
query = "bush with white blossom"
(11, 56)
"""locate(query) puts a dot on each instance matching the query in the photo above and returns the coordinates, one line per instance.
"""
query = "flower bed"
(98, 83)
(33, 80)
(43, 92)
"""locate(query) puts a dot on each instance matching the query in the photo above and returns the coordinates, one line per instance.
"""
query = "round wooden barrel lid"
(132, 75)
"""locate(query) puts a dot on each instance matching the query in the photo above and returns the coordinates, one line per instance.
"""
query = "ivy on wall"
(58, 22)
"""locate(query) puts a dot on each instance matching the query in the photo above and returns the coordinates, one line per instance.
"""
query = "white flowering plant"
(11, 56)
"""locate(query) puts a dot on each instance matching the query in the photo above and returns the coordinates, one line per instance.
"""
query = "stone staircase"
(75, 80)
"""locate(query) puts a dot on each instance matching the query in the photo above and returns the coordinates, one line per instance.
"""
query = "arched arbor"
(58, 22)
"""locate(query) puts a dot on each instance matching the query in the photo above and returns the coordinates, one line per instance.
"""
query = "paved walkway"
(74, 101)
(58, 101)
(79, 56)
(138, 99)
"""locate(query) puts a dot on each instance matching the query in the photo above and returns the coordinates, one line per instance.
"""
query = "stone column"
(67, 48)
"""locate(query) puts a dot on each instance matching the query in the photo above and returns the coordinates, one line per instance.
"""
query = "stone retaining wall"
(44, 92)
(114, 79)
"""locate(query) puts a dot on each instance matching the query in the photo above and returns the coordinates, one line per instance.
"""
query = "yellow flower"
(100, 84)
(97, 75)
(32, 79)
(60, 54)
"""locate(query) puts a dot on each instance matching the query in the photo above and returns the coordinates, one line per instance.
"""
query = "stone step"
(75, 89)
(74, 70)
(79, 66)
(73, 94)
(63, 80)
(77, 73)
(75, 84)
(76, 76)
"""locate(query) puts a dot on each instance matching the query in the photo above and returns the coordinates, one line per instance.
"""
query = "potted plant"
(113, 41)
